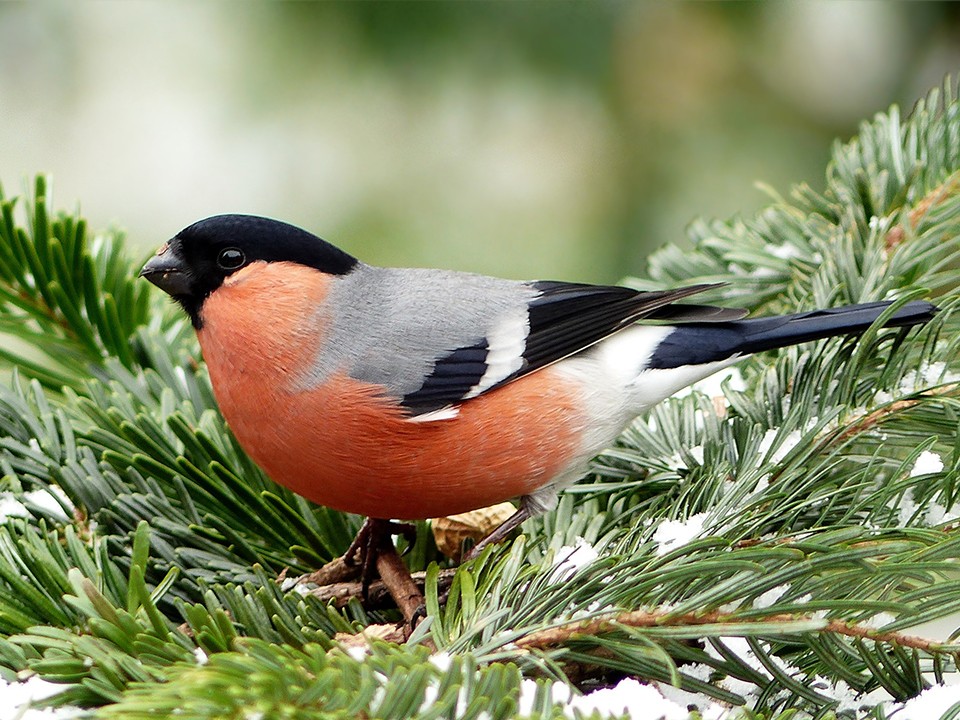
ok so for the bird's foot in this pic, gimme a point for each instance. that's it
(374, 542)
(372, 553)
(373, 535)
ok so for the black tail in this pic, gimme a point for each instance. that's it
(697, 343)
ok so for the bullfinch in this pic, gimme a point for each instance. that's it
(420, 393)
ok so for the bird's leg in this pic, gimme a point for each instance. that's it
(372, 539)
(358, 548)
(501, 532)
(360, 558)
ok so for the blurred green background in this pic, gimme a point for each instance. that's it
(533, 139)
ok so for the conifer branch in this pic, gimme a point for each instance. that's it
(820, 494)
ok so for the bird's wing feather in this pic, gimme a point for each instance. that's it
(560, 320)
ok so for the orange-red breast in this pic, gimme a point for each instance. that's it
(416, 393)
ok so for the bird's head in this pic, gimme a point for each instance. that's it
(194, 264)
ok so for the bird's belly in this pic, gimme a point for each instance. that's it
(347, 448)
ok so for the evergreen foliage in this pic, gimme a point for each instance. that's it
(151, 584)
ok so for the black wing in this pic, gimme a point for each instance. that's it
(566, 318)
(562, 319)
(450, 381)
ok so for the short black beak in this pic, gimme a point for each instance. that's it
(166, 271)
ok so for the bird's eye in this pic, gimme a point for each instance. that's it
(231, 258)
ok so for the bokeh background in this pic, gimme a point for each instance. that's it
(532, 139)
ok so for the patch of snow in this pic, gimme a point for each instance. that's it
(708, 708)
(51, 499)
(787, 444)
(570, 559)
(430, 694)
(907, 508)
(358, 652)
(528, 694)
(441, 661)
(673, 534)
(560, 692)
(850, 699)
(676, 462)
(696, 452)
(879, 620)
(934, 373)
(933, 513)
(933, 702)
(11, 507)
(290, 583)
(928, 462)
(763, 482)
(937, 514)
(19, 697)
(927, 375)
(741, 648)
(770, 597)
(628, 697)
(882, 397)
(784, 252)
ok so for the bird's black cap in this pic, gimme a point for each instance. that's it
(196, 261)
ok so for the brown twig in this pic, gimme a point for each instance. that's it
(378, 595)
(398, 581)
(336, 571)
(893, 638)
(875, 417)
(541, 639)
(552, 637)
(897, 233)
(362, 639)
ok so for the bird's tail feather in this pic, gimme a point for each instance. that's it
(698, 343)
(770, 333)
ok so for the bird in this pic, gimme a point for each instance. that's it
(415, 393)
